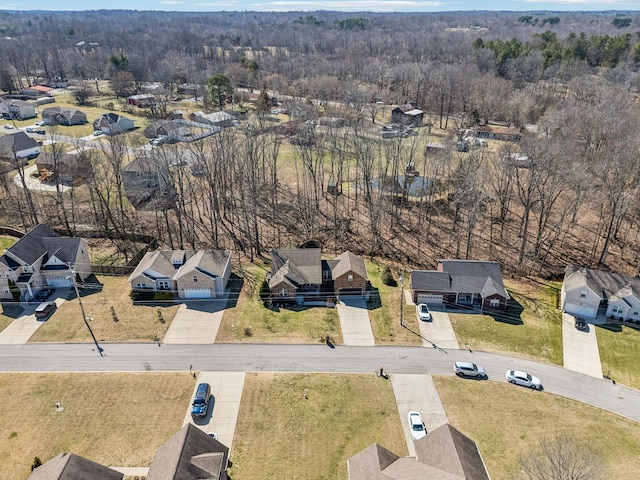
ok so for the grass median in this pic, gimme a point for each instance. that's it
(111, 418)
(281, 434)
(507, 422)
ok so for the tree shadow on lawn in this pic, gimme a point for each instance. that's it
(90, 286)
(612, 327)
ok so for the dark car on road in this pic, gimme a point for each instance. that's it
(581, 325)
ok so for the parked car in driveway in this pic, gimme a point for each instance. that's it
(8, 127)
(468, 369)
(45, 309)
(43, 294)
(423, 312)
(416, 425)
(200, 403)
(518, 377)
(581, 325)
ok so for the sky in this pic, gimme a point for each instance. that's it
(311, 5)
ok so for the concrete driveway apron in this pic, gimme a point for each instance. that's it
(196, 322)
(438, 331)
(354, 321)
(22, 328)
(580, 349)
(419, 393)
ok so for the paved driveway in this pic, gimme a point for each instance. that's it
(419, 393)
(438, 331)
(226, 393)
(580, 349)
(20, 330)
(196, 322)
(354, 321)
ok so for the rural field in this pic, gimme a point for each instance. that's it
(111, 418)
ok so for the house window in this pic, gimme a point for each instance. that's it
(464, 298)
(163, 285)
(583, 293)
(635, 314)
(195, 279)
(617, 309)
(141, 285)
(326, 274)
(494, 302)
(350, 278)
(284, 293)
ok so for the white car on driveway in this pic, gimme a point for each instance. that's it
(423, 312)
(416, 425)
(518, 377)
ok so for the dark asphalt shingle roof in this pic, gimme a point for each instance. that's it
(68, 466)
(604, 284)
(296, 266)
(16, 142)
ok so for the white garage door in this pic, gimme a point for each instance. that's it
(197, 293)
(59, 282)
(580, 310)
(425, 298)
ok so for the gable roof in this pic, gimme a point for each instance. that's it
(473, 276)
(603, 284)
(16, 142)
(296, 266)
(348, 262)
(190, 454)
(208, 262)
(443, 454)
(68, 466)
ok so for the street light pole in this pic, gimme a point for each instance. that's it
(84, 317)
(401, 298)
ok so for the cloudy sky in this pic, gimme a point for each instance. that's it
(311, 5)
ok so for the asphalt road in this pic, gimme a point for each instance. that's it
(310, 358)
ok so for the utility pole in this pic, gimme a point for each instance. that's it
(401, 297)
(84, 317)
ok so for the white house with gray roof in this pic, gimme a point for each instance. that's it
(189, 274)
(18, 145)
(43, 258)
(587, 293)
(466, 283)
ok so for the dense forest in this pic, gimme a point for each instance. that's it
(568, 81)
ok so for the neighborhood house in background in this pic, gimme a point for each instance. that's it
(463, 283)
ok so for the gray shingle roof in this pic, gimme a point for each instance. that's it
(209, 262)
(347, 262)
(190, 454)
(16, 142)
(430, 280)
(68, 466)
(604, 284)
(42, 241)
(297, 266)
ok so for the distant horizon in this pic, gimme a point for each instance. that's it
(353, 6)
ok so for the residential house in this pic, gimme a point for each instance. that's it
(18, 145)
(301, 275)
(69, 466)
(63, 116)
(190, 274)
(586, 293)
(166, 128)
(67, 168)
(43, 258)
(17, 109)
(466, 283)
(444, 453)
(141, 100)
(216, 119)
(147, 183)
(112, 123)
(407, 114)
(190, 454)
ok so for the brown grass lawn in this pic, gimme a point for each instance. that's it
(135, 322)
(619, 348)
(507, 423)
(384, 310)
(532, 330)
(111, 418)
(251, 321)
(281, 435)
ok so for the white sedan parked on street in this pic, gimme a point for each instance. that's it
(416, 425)
(518, 377)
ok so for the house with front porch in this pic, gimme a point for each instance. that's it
(466, 283)
(189, 274)
(42, 258)
(586, 293)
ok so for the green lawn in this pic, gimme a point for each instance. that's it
(384, 310)
(114, 419)
(280, 434)
(507, 422)
(251, 321)
(7, 242)
(532, 328)
(619, 348)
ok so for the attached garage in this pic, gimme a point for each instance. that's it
(586, 311)
(429, 298)
(59, 282)
(193, 293)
